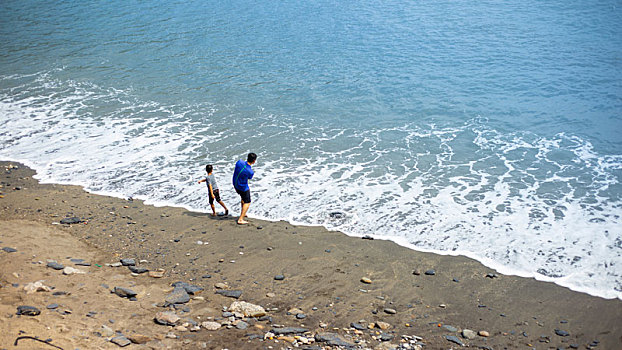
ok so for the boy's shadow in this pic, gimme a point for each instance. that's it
(206, 215)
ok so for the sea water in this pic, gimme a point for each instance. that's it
(489, 129)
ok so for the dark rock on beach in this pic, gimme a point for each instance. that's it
(230, 293)
(121, 341)
(288, 330)
(128, 262)
(70, 221)
(124, 292)
(454, 339)
(430, 272)
(9, 249)
(561, 333)
(55, 265)
(177, 296)
(28, 310)
(333, 339)
(189, 288)
(138, 270)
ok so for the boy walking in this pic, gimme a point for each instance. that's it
(242, 173)
(212, 190)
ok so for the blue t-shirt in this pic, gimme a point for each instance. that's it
(242, 173)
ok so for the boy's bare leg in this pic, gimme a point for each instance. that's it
(245, 207)
(213, 209)
(225, 207)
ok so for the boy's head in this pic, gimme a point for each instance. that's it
(209, 168)
(252, 157)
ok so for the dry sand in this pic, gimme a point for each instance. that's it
(322, 272)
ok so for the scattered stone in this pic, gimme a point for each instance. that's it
(357, 326)
(366, 280)
(230, 293)
(288, 330)
(450, 328)
(128, 262)
(189, 288)
(220, 285)
(430, 272)
(484, 334)
(177, 296)
(167, 318)
(138, 270)
(139, 338)
(124, 292)
(454, 339)
(390, 311)
(270, 295)
(492, 275)
(561, 333)
(416, 272)
(210, 325)
(386, 337)
(71, 270)
(301, 316)
(106, 331)
(159, 273)
(55, 265)
(9, 249)
(38, 286)
(383, 325)
(279, 277)
(121, 341)
(247, 309)
(28, 310)
(468, 334)
(70, 221)
(456, 280)
(239, 324)
(333, 339)
(117, 264)
(368, 237)
(52, 306)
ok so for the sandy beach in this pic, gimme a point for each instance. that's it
(318, 289)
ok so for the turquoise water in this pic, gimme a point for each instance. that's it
(488, 129)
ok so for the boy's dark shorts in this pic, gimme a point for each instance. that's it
(245, 195)
(216, 196)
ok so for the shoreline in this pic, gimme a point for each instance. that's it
(323, 273)
(487, 262)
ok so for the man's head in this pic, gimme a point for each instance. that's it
(209, 168)
(252, 157)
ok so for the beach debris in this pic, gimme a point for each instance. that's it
(247, 309)
(337, 215)
(46, 341)
(288, 330)
(38, 286)
(366, 280)
(27, 310)
(9, 249)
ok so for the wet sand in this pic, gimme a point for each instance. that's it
(322, 277)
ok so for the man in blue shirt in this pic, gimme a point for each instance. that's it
(242, 173)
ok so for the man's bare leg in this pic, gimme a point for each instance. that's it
(245, 207)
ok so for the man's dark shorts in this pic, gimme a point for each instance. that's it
(245, 195)
(216, 196)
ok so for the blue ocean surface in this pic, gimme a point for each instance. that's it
(489, 129)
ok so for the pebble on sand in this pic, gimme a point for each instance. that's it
(28, 310)
(366, 280)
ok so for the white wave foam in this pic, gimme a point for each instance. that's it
(523, 204)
